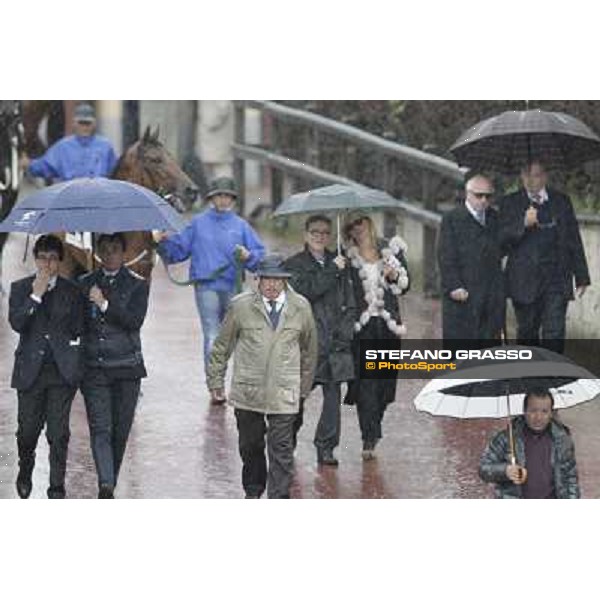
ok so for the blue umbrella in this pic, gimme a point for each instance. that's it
(98, 205)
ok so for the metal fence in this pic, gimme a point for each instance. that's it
(269, 153)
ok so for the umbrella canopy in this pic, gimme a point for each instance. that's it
(92, 204)
(336, 198)
(507, 142)
(495, 389)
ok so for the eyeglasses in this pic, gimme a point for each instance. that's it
(480, 195)
(319, 233)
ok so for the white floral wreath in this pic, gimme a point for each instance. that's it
(374, 291)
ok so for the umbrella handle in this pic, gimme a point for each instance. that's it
(339, 241)
(511, 441)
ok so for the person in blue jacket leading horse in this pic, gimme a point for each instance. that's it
(220, 244)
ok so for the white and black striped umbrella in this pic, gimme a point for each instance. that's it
(507, 142)
(496, 389)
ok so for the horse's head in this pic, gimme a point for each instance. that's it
(148, 163)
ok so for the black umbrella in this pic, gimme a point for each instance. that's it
(507, 142)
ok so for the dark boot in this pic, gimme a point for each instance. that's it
(325, 457)
(24, 483)
(56, 492)
(106, 492)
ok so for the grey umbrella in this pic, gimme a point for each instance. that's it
(336, 198)
(507, 142)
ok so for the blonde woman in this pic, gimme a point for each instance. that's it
(380, 275)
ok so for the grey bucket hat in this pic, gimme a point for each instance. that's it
(272, 266)
(222, 185)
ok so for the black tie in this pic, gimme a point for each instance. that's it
(273, 314)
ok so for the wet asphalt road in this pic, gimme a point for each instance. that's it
(181, 447)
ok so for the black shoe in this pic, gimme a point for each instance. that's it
(56, 493)
(326, 457)
(106, 492)
(24, 486)
(250, 497)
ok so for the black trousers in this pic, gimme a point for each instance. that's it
(327, 434)
(278, 429)
(548, 314)
(110, 405)
(48, 402)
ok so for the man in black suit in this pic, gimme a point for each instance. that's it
(545, 257)
(114, 365)
(47, 311)
(469, 258)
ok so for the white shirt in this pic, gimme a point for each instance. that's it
(474, 212)
(543, 196)
(51, 286)
(279, 302)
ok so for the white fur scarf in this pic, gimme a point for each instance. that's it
(374, 291)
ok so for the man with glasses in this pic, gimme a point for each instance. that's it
(322, 277)
(47, 312)
(469, 258)
(546, 258)
(83, 154)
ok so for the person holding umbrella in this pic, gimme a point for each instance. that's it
(114, 364)
(379, 273)
(546, 258)
(469, 257)
(545, 454)
(323, 278)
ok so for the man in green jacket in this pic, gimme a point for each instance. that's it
(273, 337)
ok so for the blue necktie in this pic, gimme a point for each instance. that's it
(273, 314)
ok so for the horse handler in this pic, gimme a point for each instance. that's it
(273, 337)
(114, 365)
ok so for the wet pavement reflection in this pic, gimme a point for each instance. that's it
(181, 447)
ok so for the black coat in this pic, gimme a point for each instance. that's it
(57, 328)
(523, 266)
(333, 302)
(469, 257)
(112, 339)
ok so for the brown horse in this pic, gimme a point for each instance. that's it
(147, 163)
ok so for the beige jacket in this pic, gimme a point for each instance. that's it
(272, 369)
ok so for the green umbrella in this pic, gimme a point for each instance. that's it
(336, 198)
